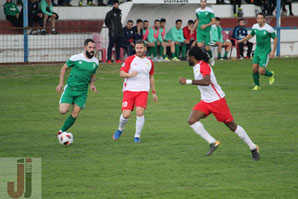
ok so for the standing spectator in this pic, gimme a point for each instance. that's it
(235, 3)
(217, 38)
(176, 35)
(271, 7)
(287, 2)
(101, 3)
(46, 8)
(127, 41)
(189, 35)
(113, 22)
(239, 33)
(34, 14)
(12, 13)
(138, 31)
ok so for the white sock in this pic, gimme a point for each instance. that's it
(199, 129)
(139, 126)
(243, 135)
(122, 122)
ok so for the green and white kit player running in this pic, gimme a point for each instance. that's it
(263, 53)
(204, 20)
(83, 68)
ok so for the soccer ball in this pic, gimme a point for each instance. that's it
(65, 138)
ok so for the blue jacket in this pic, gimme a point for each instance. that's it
(239, 32)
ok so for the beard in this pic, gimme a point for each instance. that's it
(89, 55)
(191, 63)
(140, 54)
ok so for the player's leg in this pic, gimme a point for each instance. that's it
(263, 68)
(141, 104)
(255, 71)
(243, 135)
(228, 46)
(219, 47)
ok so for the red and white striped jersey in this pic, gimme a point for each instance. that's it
(144, 67)
(212, 92)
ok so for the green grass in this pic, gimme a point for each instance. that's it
(170, 162)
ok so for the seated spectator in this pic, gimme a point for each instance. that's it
(176, 35)
(239, 33)
(34, 14)
(190, 34)
(46, 9)
(157, 39)
(12, 13)
(166, 43)
(147, 37)
(138, 31)
(127, 40)
(217, 39)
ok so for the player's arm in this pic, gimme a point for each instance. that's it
(203, 82)
(272, 53)
(124, 74)
(195, 26)
(62, 74)
(248, 37)
(152, 86)
(209, 24)
(92, 86)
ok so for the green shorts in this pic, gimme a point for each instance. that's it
(72, 96)
(203, 36)
(261, 58)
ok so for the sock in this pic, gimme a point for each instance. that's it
(122, 122)
(210, 53)
(177, 50)
(165, 56)
(219, 55)
(256, 78)
(68, 123)
(183, 51)
(139, 125)
(172, 55)
(243, 135)
(199, 129)
(226, 54)
(268, 73)
(160, 51)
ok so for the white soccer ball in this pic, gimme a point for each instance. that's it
(65, 138)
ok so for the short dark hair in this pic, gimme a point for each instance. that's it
(163, 20)
(129, 21)
(156, 20)
(178, 20)
(86, 42)
(115, 1)
(261, 13)
(139, 20)
(241, 19)
(217, 18)
(199, 53)
(140, 41)
(146, 21)
(190, 22)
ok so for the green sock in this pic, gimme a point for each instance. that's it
(210, 53)
(172, 55)
(154, 50)
(256, 78)
(68, 123)
(219, 55)
(268, 73)
(183, 50)
(177, 50)
(226, 54)
(160, 51)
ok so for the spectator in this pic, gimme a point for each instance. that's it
(127, 41)
(138, 31)
(190, 35)
(46, 9)
(176, 35)
(101, 3)
(34, 14)
(216, 36)
(271, 7)
(147, 37)
(284, 3)
(12, 13)
(239, 33)
(157, 39)
(240, 12)
(166, 42)
(89, 3)
(64, 3)
(113, 22)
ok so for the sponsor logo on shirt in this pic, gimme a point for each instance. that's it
(80, 62)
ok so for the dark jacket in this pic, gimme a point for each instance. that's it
(113, 22)
(137, 36)
(239, 32)
(127, 36)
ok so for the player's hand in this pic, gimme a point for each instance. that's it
(154, 97)
(93, 88)
(182, 80)
(203, 27)
(238, 41)
(272, 54)
(133, 74)
(59, 88)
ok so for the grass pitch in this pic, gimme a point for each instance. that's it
(170, 161)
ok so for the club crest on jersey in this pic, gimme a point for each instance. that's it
(206, 13)
(80, 62)
(264, 33)
(93, 66)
